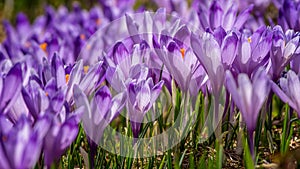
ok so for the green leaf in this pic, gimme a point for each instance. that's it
(247, 155)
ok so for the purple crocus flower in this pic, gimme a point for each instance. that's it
(283, 50)
(249, 97)
(216, 54)
(98, 114)
(253, 51)
(100, 111)
(289, 91)
(222, 13)
(142, 94)
(21, 143)
(35, 98)
(60, 136)
(113, 9)
(289, 14)
(179, 60)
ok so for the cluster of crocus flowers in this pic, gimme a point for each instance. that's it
(47, 90)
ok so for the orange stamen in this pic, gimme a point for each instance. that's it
(43, 46)
(98, 21)
(67, 78)
(249, 40)
(182, 51)
(82, 36)
(47, 94)
(85, 69)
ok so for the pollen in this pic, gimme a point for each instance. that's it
(82, 36)
(98, 21)
(85, 69)
(249, 39)
(67, 78)
(182, 51)
(88, 46)
(43, 46)
(27, 44)
(47, 94)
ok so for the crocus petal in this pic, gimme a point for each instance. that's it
(261, 90)
(245, 91)
(294, 88)
(181, 34)
(216, 14)
(57, 101)
(119, 52)
(232, 88)
(243, 16)
(212, 51)
(229, 17)
(219, 34)
(263, 47)
(81, 100)
(117, 105)
(229, 48)
(90, 80)
(143, 98)
(291, 47)
(285, 98)
(132, 29)
(155, 91)
(58, 71)
(75, 77)
(11, 87)
(103, 100)
(245, 51)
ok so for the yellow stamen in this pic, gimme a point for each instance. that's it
(249, 40)
(85, 69)
(98, 21)
(43, 46)
(67, 78)
(182, 51)
(82, 36)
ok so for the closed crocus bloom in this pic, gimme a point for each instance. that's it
(208, 52)
(246, 93)
(102, 109)
(60, 136)
(283, 50)
(289, 90)
(142, 94)
(35, 98)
